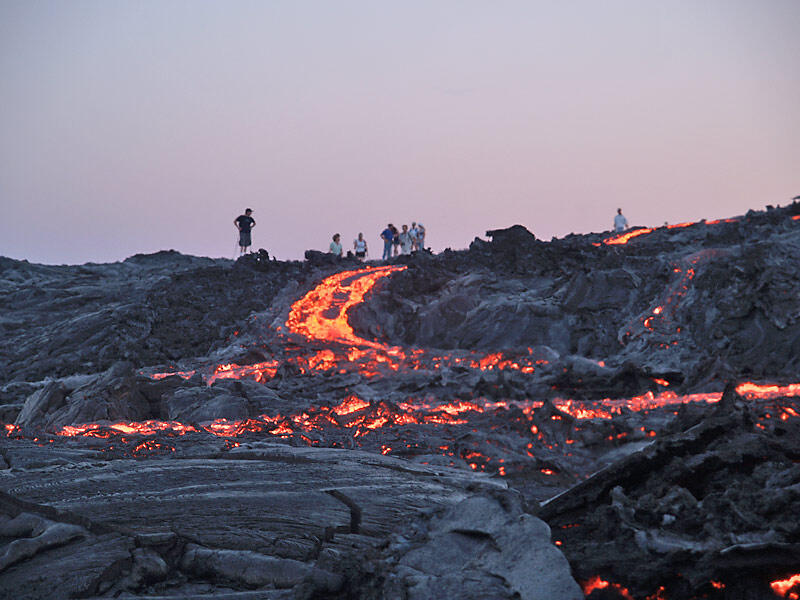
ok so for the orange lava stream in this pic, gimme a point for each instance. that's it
(321, 315)
(679, 225)
(261, 372)
(373, 416)
(624, 238)
(122, 427)
(767, 391)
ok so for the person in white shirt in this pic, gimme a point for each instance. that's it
(405, 240)
(620, 222)
(336, 247)
(360, 246)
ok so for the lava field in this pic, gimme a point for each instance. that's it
(597, 416)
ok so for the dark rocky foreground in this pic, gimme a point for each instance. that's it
(503, 422)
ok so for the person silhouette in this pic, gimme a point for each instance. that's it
(245, 224)
(620, 222)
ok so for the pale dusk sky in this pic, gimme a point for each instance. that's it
(137, 126)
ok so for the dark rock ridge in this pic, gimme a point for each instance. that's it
(725, 295)
(149, 309)
(449, 477)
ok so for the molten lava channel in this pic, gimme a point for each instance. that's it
(321, 315)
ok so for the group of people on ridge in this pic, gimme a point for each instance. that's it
(405, 241)
(395, 242)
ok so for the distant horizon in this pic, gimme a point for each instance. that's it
(142, 125)
(376, 258)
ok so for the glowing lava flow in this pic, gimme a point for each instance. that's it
(782, 586)
(765, 392)
(624, 238)
(359, 416)
(321, 315)
(598, 583)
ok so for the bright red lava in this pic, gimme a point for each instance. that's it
(624, 238)
(361, 416)
(321, 317)
(782, 587)
(598, 583)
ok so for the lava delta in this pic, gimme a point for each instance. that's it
(600, 416)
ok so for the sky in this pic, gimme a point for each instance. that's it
(137, 126)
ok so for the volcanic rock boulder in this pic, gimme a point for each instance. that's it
(486, 546)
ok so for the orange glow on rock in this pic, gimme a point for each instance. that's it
(349, 405)
(624, 238)
(782, 586)
(767, 391)
(598, 583)
(182, 374)
(679, 225)
(101, 430)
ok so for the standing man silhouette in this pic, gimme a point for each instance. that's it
(245, 224)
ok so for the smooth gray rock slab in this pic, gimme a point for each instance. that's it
(504, 550)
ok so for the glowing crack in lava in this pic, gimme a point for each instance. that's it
(661, 317)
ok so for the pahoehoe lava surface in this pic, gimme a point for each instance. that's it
(614, 417)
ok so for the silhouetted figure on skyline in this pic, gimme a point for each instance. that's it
(245, 224)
